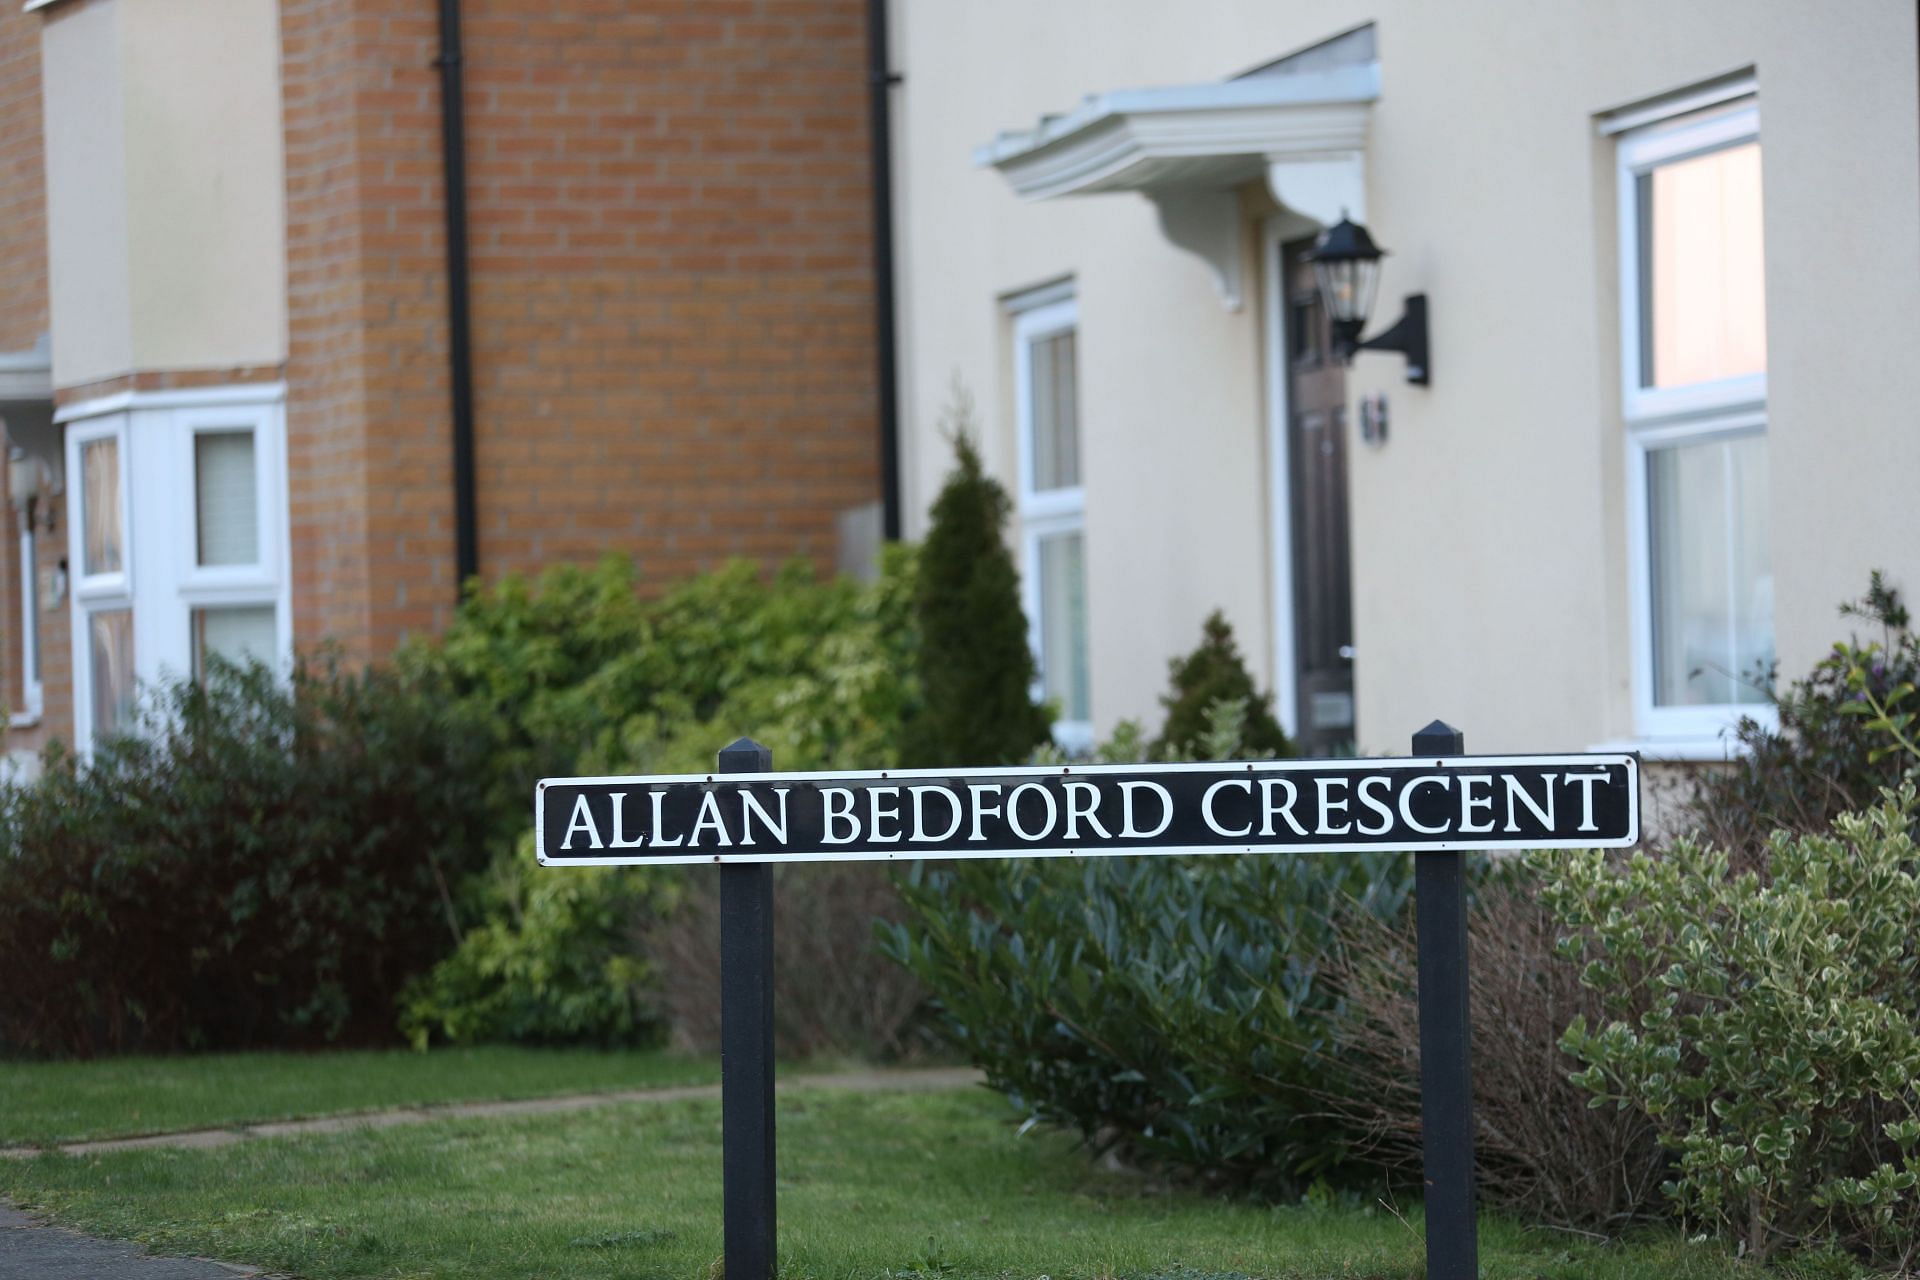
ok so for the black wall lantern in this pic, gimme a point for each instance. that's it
(1346, 262)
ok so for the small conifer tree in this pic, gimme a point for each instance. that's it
(976, 672)
(1212, 674)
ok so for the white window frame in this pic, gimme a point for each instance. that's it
(1657, 417)
(1045, 513)
(91, 593)
(163, 581)
(32, 688)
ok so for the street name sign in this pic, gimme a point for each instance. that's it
(1286, 806)
(1436, 803)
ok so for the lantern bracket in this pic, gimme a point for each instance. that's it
(1408, 336)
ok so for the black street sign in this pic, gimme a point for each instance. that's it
(1289, 806)
(1436, 803)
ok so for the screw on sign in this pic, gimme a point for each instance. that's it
(1438, 803)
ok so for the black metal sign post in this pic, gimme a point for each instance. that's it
(1438, 803)
(1446, 1052)
(746, 1047)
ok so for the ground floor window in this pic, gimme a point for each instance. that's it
(179, 526)
(1053, 507)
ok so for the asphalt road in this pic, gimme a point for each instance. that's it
(28, 1249)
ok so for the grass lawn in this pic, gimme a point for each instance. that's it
(872, 1186)
(66, 1101)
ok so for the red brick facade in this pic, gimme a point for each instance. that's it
(23, 200)
(671, 281)
(23, 322)
(671, 285)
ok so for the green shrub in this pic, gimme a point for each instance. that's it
(1172, 1006)
(818, 670)
(1832, 752)
(1769, 1026)
(557, 961)
(976, 670)
(267, 863)
(1212, 674)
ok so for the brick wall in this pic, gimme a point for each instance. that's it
(671, 283)
(23, 320)
(23, 195)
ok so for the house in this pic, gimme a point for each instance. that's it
(1667, 263)
(256, 396)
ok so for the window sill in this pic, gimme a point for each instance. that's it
(1695, 750)
(24, 720)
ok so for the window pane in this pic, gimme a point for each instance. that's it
(1712, 576)
(1704, 316)
(224, 498)
(1056, 413)
(239, 635)
(112, 646)
(100, 504)
(1063, 626)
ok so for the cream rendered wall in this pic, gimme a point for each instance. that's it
(1488, 535)
(90, 319)
(167, 222)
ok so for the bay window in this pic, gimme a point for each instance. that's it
(1694, 357)
(179, 530)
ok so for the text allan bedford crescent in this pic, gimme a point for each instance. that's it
(1579, 799)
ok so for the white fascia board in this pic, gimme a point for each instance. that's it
(234, 393)
(1212, 134)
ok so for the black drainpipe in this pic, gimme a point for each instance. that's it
(453, 151)
(880, 80)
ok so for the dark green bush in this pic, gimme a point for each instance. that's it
(267, 863)
(1212, 674)
(1171, 1006)
(976, 671)
(1825, 758)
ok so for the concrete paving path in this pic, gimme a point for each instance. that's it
(909, 1079)
(34, 1249)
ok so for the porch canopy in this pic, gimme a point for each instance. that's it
(1299, 124)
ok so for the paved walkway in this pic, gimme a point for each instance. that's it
(33, 1249)
(915, 1080)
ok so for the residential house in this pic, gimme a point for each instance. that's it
(228, 372)
(1667, 258)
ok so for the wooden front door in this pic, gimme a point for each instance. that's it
(1317, 477)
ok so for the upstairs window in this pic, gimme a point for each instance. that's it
(1694, 391)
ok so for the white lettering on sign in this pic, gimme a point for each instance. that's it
(709, 818)
(1543, 816)
(620, 840)
(1206, 806)
(1268, 809)
(1082, 799)
(876, 815)
(1374, 803)
(1406, 803)
(659, 838)
(920, 794)
(754, 809)
(1328, 805)
(1586, 783)
(839, 802)
(582, 818)
(1127, 828)
(980, 811)
(1469, 802)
